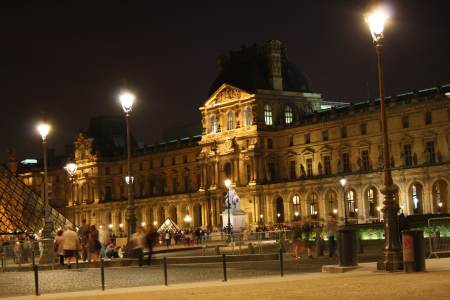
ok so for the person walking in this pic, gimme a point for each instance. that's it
(58, 246)
(167, 237)
(71, 245)
(150, 239)
(94, 245)
(306, 229)
(83, 235)
(331, 233)
(137, 244)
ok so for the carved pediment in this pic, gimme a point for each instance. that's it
(308, 151)
(226, 93)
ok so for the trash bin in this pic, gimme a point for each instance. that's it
(413, 250)
(347, 247)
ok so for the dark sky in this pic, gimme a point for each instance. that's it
(69, 58)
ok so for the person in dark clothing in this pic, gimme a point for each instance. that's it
(150, 238)
(403, 224)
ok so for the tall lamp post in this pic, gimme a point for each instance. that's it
(392, 258)
(343, 182)
(71, 169)
(48, 254)
(126, 100)
(228, 185)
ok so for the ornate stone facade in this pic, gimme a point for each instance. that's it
(284, 155)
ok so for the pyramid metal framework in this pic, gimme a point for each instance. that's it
(21, 209)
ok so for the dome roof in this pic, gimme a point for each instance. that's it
(248, 69)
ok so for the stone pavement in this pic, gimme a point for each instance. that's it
(363, 283)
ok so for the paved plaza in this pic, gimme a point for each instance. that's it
(363, 283)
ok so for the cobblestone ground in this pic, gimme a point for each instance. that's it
(22, 283)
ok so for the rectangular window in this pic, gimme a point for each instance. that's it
(363, 128)
(161, 162)
(272, 171)
(269, 144)
(428, 118)
(448, 113)
(407, 155)
(429, 150)
(307, 138)
(292, 167)
(365, 160)
(325, 135)
(174, 185)
(405, 122)
(346, 163)
(267, 114)
(343, 132)
(108, 193)
(186, 183)
(173, 161)
(327, 164)
(291, 141)
(107, 171)
(309, 167)
(151, 164)
(185, 159)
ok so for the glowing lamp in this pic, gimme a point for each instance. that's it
(227, 183)
(43, 129)
(376, 22)
(126, 99)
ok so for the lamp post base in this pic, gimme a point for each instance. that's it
(48, 253)
(132, 220)
(392, 261)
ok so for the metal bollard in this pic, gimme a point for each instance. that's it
(102, 273)
(165, 270)
(224, 267)
(36, 279)
(281, 263)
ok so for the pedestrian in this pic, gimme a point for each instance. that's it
(331, 233)
(58, 246)
(71, 245)
(137, 244)
(83, 235)
(306, 230)
(150, 239)
(167, 238)
(297, 243)
(94, 245)
(318, 229)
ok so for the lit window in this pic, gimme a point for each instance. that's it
(351, 203)
(230, 121)
(248, 116)
(288, 115)
(268, 115)
(213, 124)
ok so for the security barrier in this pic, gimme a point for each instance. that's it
(439, 239)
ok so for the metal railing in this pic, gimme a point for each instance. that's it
(439, 237)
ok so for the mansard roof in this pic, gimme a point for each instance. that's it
(248, 69)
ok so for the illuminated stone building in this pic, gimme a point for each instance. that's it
(282, 145)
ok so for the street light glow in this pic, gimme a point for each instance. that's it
(187, 219)
(71, 168)
(376, 22)
(43, 129)
(227, 183)
(343, 182)
(126, 99)
(335, 211)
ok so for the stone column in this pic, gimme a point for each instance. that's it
(216, 173)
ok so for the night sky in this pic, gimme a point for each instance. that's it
(69, 58)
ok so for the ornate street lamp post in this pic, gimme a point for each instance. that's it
(48, 255)
(71, 169)
(126, 100)
(343, 182)
(228, 185)
(392, 258)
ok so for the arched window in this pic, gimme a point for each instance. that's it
(440, 196)
(213, 123)
(331, 202)
(372, 201)
(248, 116)
(280, 210)
(230, 121)
(415, 195)
(351, 203)
(296, 204)
(268, 115)
(313, 206)
(288, 115)
(227, 170)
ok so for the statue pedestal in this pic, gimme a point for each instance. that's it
(237, 219)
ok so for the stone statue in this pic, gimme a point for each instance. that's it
(234, 199)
